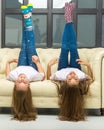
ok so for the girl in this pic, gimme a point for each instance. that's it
(28, 69)
(74, 82)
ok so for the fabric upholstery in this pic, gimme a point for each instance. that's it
(44, 93)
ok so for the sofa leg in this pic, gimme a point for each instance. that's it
(102, 111)
(0, 109)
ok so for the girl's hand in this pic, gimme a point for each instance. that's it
(12, 60)
(35, 59)
(89, 69)
(82, 62)
(53, 61)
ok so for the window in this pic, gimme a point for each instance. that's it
(103, 30)
(39, 3)
(13, 30)
(48, 21)
(87, 4)
(86, 33)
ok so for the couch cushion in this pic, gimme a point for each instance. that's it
(44, 88)
(39, 89)
(6, 87)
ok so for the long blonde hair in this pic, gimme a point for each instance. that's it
(22, 104)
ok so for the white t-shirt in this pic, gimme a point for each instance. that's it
(62, 74)
(30, 72)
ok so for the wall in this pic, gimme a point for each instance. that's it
(0, 23)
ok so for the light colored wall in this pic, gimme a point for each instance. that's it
(0, 23)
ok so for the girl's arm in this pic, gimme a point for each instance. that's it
(51, 62)
(89, 70)
(48, 71)
(35, 59)
(8, 65)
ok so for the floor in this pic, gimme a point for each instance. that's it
(48, 120)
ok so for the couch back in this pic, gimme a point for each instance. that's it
(45, 56)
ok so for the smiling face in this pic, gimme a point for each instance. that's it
(72, 78)
(22, 83)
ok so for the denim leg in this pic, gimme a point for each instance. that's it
(63, 59)
(64, 38)
(31, 49)
(22, 60)
(69, 44)
(72, 45)
(73, 56)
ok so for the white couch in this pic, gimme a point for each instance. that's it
(45, 92)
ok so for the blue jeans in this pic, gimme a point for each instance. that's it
(68, 45)
(27, 48)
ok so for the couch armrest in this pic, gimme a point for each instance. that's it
(97, 64)
(95, 57)
(102, 82)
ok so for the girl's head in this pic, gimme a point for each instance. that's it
(22, 105)
(72, 78)
(22, 83)
(72, 101)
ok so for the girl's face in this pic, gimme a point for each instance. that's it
(22, 83)
(72, 78)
